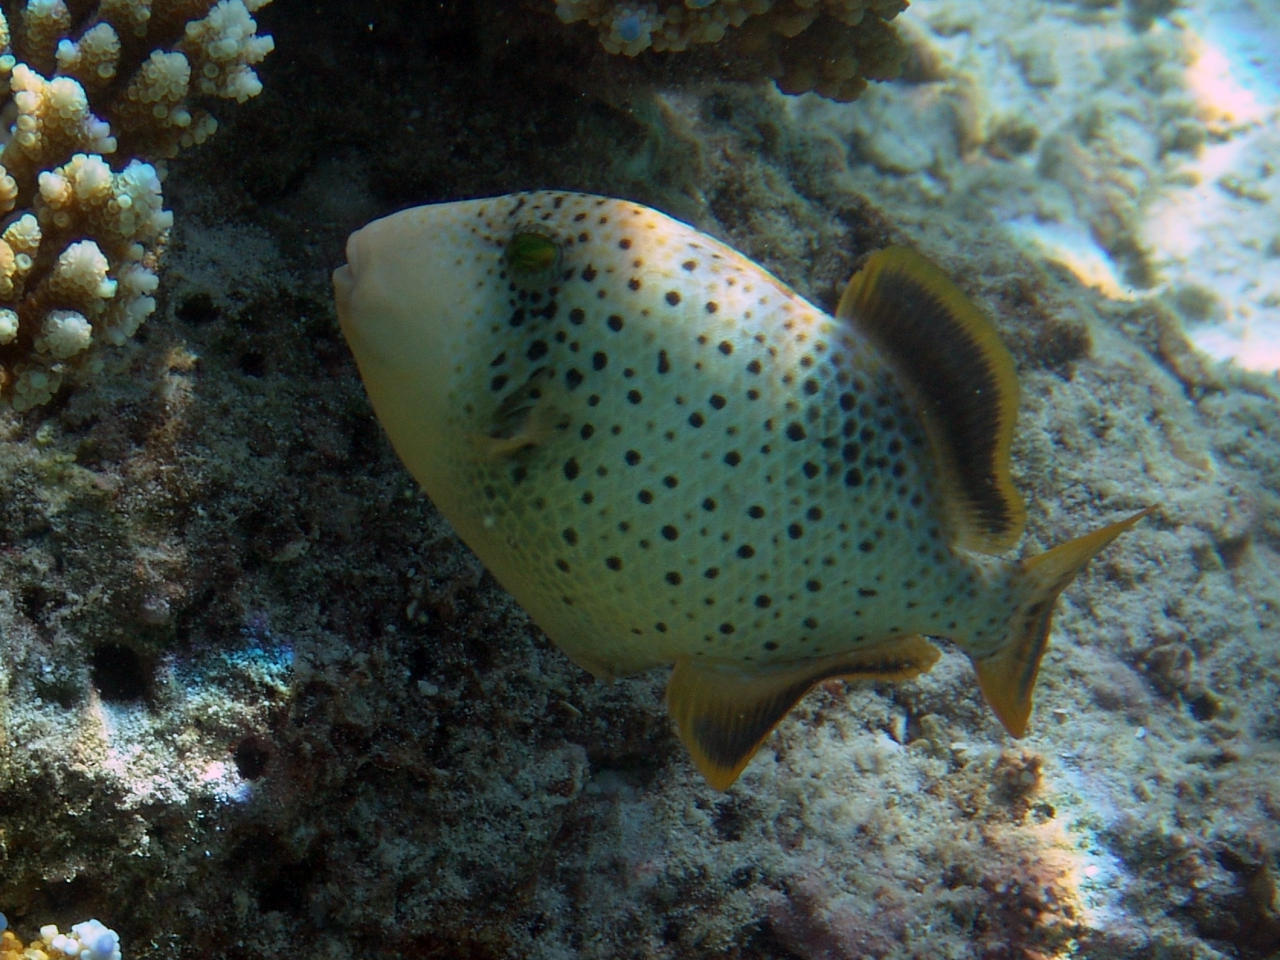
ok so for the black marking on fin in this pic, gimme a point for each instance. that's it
(963, 377)
(1008, 676)
(723, 713)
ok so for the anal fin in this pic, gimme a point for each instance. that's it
(723, 713)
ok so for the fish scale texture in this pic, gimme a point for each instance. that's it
(701, 463)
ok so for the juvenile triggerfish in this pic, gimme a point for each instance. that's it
(669, 457)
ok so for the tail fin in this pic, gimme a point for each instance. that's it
(1008, 676)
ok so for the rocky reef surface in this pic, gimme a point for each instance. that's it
(255, 697)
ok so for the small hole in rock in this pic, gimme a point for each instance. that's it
(251, 756)
(197, 308)
(119, 674)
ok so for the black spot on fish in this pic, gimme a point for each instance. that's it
(673, 297)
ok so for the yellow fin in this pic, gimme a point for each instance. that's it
(1008, 677)
(963, 378)
(723, 713)
(526, 417)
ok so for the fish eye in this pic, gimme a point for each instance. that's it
(532, 257)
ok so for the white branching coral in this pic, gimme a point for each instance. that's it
(90, 940)
(95, 94)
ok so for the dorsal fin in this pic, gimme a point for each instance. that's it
(723, 713)
(962, 375)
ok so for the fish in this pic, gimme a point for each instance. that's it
(669, 457)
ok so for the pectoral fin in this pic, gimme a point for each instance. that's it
(526, 417)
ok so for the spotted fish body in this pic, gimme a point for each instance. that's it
(669, 457)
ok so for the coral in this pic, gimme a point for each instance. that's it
(90, 940)
(97, 94)
(830, 47)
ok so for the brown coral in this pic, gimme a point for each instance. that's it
(830, 47)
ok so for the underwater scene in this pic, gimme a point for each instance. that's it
(727, 479)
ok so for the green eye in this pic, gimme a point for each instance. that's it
(532, 256)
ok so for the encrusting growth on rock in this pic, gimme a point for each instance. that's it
(97, 93)
(831, 47)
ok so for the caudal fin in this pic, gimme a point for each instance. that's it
(1008, 676)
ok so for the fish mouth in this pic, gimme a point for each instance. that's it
(345, 279)
(344, 282)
